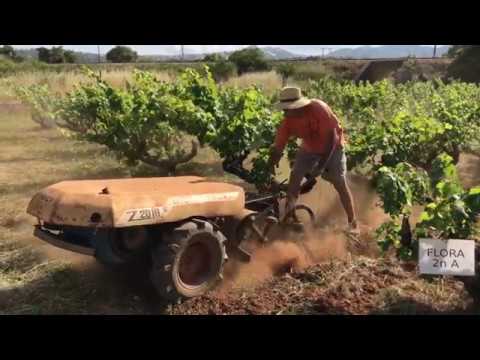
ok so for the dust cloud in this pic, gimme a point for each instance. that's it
(326, 241)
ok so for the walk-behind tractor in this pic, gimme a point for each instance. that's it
(186, 227)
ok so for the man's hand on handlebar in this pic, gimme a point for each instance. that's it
(275, 156)
(308, 185)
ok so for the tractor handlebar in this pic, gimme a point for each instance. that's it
(277, 188)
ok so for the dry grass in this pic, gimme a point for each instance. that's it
(64, 82)
(270, 81)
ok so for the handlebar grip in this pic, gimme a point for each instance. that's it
(308, 185)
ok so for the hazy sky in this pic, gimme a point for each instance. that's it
(189, 49)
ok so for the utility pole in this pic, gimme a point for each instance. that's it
(434, 50)
(183, 52)
(323, 51)
(99, 61)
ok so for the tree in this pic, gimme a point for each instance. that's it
(213, 58)
(223, 69)
(43, 54)
(56, 55)
(8, 51)
(248, 60)
(466, 65)
(70, 57)
(456, 50)
(286, 70)
(122, 54)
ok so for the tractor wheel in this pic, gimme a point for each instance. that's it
(189, 260)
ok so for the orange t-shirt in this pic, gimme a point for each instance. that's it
(314, 128)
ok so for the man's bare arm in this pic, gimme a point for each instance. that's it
(276, 151)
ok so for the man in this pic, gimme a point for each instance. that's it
(323, 145)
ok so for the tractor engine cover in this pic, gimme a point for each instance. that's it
(121, 203)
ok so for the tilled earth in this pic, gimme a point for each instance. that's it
(302, 278)
(356, 286)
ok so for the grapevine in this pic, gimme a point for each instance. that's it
(406, 138)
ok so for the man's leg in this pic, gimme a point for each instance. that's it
(304, 162)
(336, 174)
(347, 200)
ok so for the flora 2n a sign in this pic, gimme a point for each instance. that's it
(447, 257)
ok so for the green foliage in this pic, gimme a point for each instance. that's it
(6, 66)
(122, 54)
(12, 67)
(387, 124)
(444, 176)
(43, 54)
(466, 65)
(133, 122)
(394, 191)
(8, 51)
(456, 50)
(145, 122)
(450, 211)
(401, 187)
(41, 103)
(389, 235)
(453, 215)
(453, 211)
(70, 56)
(55, 55)
(222, 69)
(213, 57)
(249, 60)
(286, 70)
(234, 122)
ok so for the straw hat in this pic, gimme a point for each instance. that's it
(291, 98)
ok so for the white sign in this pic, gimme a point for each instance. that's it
(447, 257)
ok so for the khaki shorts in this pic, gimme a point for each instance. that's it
(305, 163)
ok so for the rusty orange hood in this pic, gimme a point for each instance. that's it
(136, 201)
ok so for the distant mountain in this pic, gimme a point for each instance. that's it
(363, 52)
(278, 53)
(388, 51)
(271, 53)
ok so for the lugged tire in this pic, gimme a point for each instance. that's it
(193, 243)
